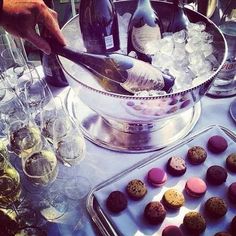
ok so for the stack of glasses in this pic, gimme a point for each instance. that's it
(36, 135)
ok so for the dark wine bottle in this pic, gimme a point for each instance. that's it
(144, 26)
(54, 74)
(99, 26)
(117, 67)
(179, 20)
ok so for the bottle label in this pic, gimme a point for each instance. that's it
(139, 76)
(47, 71)
(228, 70)
(142, 36)
(109, 42)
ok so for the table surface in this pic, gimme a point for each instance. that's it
(101, 164)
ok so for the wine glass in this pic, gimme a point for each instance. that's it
(54, 204)
(3, 90)
(11, 110)
(14, 66)
(6, 41)
(40, 168)
(34, 95)
(45, 118)
(68, 141)
(24, 138)
(10, 187)
(30, 230)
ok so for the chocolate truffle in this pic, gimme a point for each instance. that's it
(232, 192)
(172, 230)
(231, 162)
(196, 155)
(116, 202)
(136, 189)
(217, 144)
(194, 222)
(216, 175)
(154, 212)
(215, 207)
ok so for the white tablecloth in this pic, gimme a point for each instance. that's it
(101, 164)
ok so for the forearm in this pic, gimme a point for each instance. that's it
(19, 17)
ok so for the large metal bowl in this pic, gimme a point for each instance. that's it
(135, 124)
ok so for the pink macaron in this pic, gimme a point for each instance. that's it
(157, 177)
(195, 187)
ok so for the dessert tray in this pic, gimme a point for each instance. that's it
(130, 221)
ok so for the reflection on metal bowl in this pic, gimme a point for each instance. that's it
(135, 124)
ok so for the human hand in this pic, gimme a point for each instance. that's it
(19, 17)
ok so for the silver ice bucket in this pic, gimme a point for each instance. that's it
(135, 124)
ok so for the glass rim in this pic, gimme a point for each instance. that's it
(39, 176)
(10, 49)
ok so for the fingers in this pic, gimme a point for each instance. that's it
(38, 41)
(49, 20)
(54, 14)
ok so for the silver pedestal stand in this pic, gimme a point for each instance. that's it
(144, 137)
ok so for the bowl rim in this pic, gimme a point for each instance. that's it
(169, 95)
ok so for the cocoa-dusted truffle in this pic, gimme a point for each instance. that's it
(216, 175)
(196, 155)
(136, 189)
(217, 144)
(216, 207)
(116, 202)
(194, 222)
(154, 212)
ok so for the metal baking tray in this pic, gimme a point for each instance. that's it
(100, 215)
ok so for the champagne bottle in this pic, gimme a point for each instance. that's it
(116, 67)
(225, 79)
(54, 74)
(144, 26)
(99, 26)
(179, 20)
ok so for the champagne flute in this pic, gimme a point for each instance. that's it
(45, 119)
(35, 94)
(68, 141)
(24, 138)
(6, 41)
(8, 225)
(10, 187)
(14, 66)
(11, 110)
(3, 90)
(54, 204)
(29, 231)
(40, 168)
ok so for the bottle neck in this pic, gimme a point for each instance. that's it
(232, 15)
(178, 3)
(144, 3)
(229, 12)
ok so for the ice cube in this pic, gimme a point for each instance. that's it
(167, 45)
(180, 36)
(207, 49)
